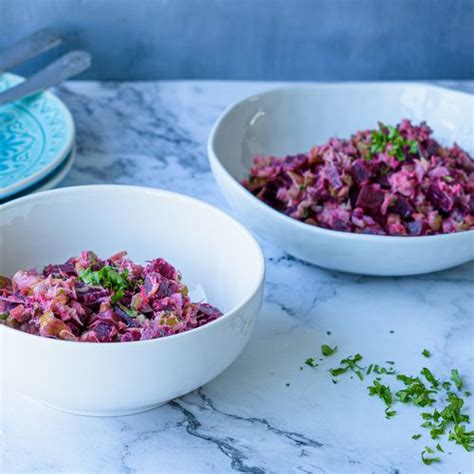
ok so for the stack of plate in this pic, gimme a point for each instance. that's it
(36, 142)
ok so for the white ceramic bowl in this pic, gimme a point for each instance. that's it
(209, 248)
(293, 119)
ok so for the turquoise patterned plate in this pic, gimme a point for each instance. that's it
(50, 181)
(36, 135)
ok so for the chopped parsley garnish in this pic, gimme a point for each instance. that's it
(388, 139)
(430, 377)
(428, 460)
(462, 437)
(310, 362)
(448, 418)
(456, 379)
(382, 370)
(384, 393)
(415, 391)
(327, 351)
(108, 277)
(349, 363)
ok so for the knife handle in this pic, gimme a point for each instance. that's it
(25, 49)
(63, 68)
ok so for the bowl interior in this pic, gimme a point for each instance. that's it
(210, 248)
(292, 120)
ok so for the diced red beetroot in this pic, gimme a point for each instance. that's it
(471, 204)
(93, 296)
(163, 267)
(291, 163)
(370, 197)
(104, 332)
(67, 268)
(440, 199)
(415, 227)
(403, 207)
(361, 172)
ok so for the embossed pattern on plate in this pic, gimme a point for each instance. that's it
(36, 135)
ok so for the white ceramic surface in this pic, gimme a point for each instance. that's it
(208, 246)
(292, 119)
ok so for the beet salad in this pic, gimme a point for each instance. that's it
(93, 300)
(395, 181)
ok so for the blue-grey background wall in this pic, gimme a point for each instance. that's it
(256, 39)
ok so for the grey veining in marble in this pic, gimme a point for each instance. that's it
(248, 419)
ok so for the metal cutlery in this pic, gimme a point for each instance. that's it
(67, 66)
(27, 48)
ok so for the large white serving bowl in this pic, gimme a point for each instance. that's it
(209, 247)
(293, 119)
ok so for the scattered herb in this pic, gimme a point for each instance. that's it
(430, 377)
(415, 391)
(428, 460)
(349, 363)
(383, 370)
(462, 437)
(450, 418)
(446, 385)
(328, 333)
(328, 351)
(310, 361)
(382, 391)
(287, 384)
(456, 379)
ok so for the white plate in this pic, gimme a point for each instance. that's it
(210, 248)
(290, 120)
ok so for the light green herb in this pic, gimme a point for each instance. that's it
(328, 351)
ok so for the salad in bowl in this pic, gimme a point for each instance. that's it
(374, 179)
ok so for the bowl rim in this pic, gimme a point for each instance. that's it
(84, 189)
(216, 163)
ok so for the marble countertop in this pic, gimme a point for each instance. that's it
(248, 419)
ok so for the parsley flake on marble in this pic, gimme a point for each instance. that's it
(327, 350)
